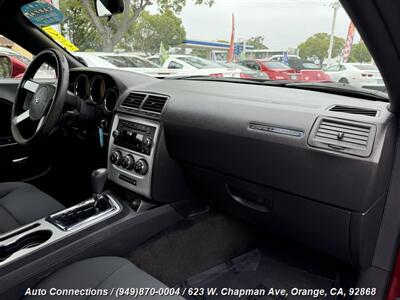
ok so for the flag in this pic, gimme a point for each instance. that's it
(213, 56)
(285, 58)
(349, 43)
(231, 52)
(163, 54)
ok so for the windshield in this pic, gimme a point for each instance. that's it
(209, 37)
(366, 67)
(198, 62)
(310, 66)
(276, 65)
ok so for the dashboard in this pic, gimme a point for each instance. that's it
(308, 165)
(98, 89)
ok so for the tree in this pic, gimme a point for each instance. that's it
(317, 46)
(257, 42)
(112, 32)
(360, 53)
(77, 26)
(150, 30)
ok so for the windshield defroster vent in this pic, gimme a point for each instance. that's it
(343, 136)
(354, 110)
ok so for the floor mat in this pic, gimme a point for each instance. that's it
(192, 247)
(256, 270)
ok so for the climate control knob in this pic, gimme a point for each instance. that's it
(128, 162)
(116, 157)
(141, 167)
(116, 133)
(147, 142)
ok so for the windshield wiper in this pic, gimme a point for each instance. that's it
(337, 88)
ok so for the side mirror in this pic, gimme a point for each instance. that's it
(108, 8)
(6, 67)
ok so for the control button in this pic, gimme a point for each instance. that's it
(128, 162)
(141, 167)
(116, 157)
(147, 142)
(116, 133)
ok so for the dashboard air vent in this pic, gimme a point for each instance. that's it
(354, 110)
(343, 136)
(134, 100)
(154, 103)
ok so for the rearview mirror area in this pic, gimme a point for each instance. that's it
(108, 8)
(6, 68)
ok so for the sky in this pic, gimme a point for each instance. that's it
(283, 23)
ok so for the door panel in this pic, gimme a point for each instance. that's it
(17, 163)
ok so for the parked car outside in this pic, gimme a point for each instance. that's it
(275, 70)
(19, 63)
(247, 72)
(197, 65)
(308, 69)
(130, 62)
(358, 75)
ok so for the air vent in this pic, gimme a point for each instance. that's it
(154, 104)
(343, 136)
(134, 100)
(354, 110)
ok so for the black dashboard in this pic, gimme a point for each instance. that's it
(312, 166)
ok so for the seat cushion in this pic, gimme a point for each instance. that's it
(100, 273)
(22, 203)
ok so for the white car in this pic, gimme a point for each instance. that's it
(127, 62)
(92, 60)
(193, 65)
(358, 75)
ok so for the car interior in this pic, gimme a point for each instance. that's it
(114, 179)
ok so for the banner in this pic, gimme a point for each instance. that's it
(231, 52)
(349, 43)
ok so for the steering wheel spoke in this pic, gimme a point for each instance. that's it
(22, 117)
(31, 86)
(40, 123)
(45, 100)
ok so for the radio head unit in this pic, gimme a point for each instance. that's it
(134, 136)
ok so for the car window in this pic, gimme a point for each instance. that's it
(275, 65)
(175, 65)
(15, 59)
(310, 66)
(366, 67)
(334, 68)
(252, 65)
(198, 62)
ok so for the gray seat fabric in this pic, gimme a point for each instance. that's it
(99, 273)
(22, 203)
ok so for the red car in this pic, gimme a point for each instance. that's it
(309, 70)
(275, 70)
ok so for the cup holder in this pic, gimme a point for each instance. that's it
(30, 240)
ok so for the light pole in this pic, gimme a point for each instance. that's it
(335, 6)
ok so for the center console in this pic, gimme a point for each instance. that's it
(131, 153)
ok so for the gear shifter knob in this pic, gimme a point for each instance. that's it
(98, 181)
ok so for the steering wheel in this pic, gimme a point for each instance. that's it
(38, 106)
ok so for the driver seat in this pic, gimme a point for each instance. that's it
(22, 203)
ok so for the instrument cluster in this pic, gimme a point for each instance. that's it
(98, 89)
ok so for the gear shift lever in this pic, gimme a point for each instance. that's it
(98, 181)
